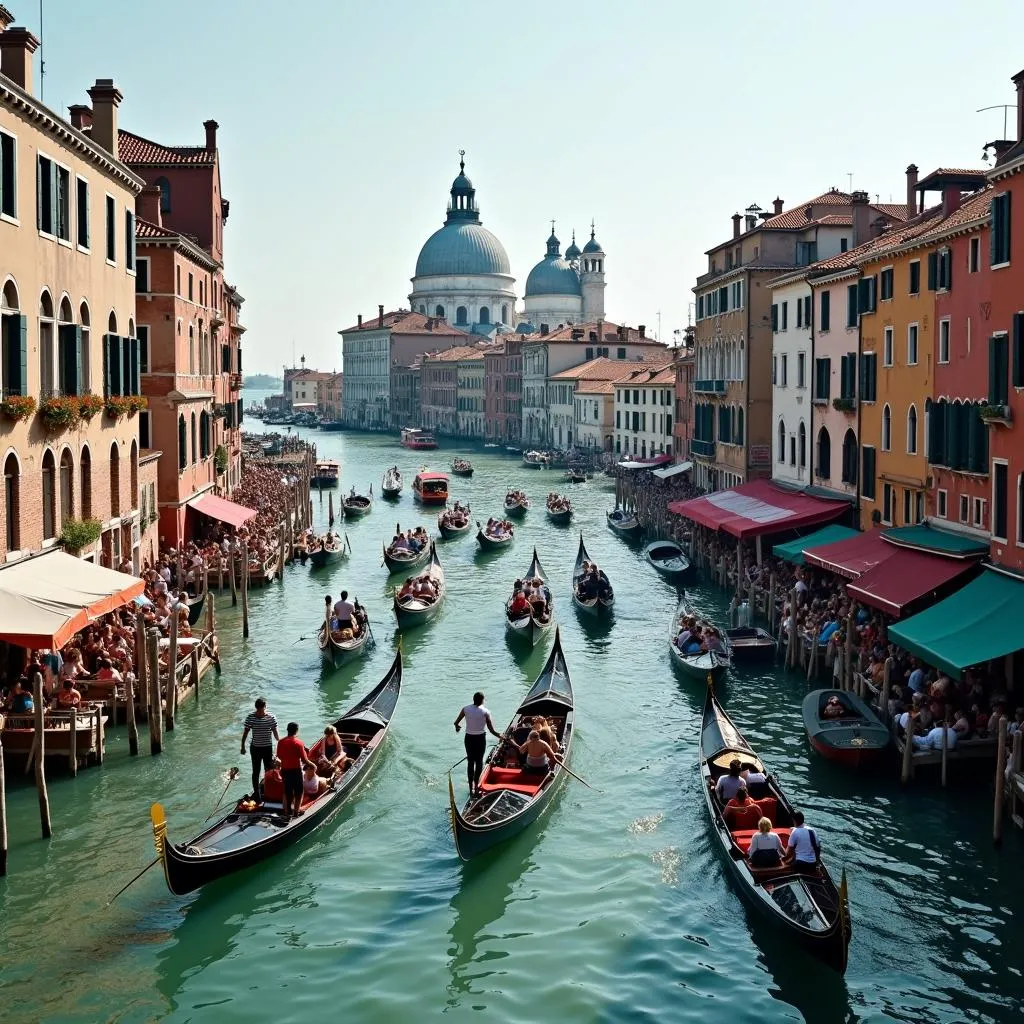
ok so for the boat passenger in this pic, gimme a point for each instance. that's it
(333, 754)
(729, 785)
(766, 847)
(756, 780)
(312, 783)
(833, 708)
(408, 588)
(803, 849)
(539, 755)
(343, 609)
(933, 739)
(293, 756)
(712, 642)
(67, 696)
(520, 606)
(273, 785)
(741, 811)
(20, 700)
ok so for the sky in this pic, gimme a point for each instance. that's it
(341, 122)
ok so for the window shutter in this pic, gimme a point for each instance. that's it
(133, 360)
(933, 270)
(69, 348)
(54, 215)
(112, 364)
(775, 317)
(23, 355)
(39, 202)
(825, 311)
(1007, 233)
(1018, 350)
(949, 269)
(993, 241)
(127, 378)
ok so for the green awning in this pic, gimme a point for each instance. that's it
(974, 625)
(793, 551)
(943, 542)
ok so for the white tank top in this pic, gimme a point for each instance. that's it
(476, 719)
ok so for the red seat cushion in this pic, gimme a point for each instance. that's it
(739, 818)
(743, 836)
(515, 779)
(769, 805)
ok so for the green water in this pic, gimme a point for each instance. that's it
(615, 908)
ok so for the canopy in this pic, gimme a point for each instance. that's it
(45, 599)
(854, 556)
(221, 509)
(793, 551)
(974, 625)
(670, 471)
(759, 507)
(928, 538)
(905, 577)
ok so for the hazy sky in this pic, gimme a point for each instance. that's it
(341, 124)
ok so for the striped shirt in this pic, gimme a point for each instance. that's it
(262, 727)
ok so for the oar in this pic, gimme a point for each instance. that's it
(133, 881)
(457, 763)
(232, 775)
(576, 777)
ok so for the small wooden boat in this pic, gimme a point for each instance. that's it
(413, 611)
(357, 505)
(450, 530)
(418, 440)
(490, 541)
(575, 476)
(668, 558)
(536, 460)
(195, 608)
(430, 488)
(600, 603)
(325, 474)
(401, 560)
(529, 627)
(625, 524)
(332, 425)
(749, 643)
(703, 665)
(516, 507)
(462, 467)
(391, 485)
(807, 907)
(337, 652)
(559, 511)
(252, 831)
(332, 550)
(853, 736)
(512, 797)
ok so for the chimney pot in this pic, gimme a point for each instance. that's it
(211, 127)
(380, 316)
(359, 320)
(861, 217)
(148, 205)
(642, 328)
(736, 218)
(81, 115)
(777, 204)
(17, 45)
(911, 190)
(106, 98)
(6, 18)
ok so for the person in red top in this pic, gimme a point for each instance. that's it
(273, 784)
(292, 753)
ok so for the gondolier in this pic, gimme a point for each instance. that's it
(263, 726)
(478, 722)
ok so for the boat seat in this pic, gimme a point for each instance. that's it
(515, 779)
(743, 818)
(741, 837)
(769, 807)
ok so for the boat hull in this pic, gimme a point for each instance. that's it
(560, 518)
(531, 633)
(451, 532)
(856, 739)
(490, 544)
(676, 567)
(396, 565)
(335, 655)
(751, 643)
(630, 529)
(356, 511)
(516, 511)
(195, 609)
(321, 558)
(461, 472)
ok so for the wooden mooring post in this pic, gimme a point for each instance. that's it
(156, 709)
(231, 574)
(245, 590)
(3, 814)
(143, 681)
(907, 766)
(172, 672)
(39, 746)
(194, 667)
(997, 811)
(73, 741)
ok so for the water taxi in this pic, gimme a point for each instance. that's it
(418, 440)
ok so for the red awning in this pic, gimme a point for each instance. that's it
(905, 577)
(854, 556)
(222, 510)
(758, 507)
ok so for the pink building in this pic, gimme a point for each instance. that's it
(503, 382)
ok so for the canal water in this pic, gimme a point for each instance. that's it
(614, 908)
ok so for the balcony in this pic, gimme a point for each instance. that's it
(709, 387)
(702, 449)
(235, 382)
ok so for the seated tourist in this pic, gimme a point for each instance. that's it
(932, 740)
(756, 780)
(741, 812)
(332, 750)
(731, 783)
(766, 849)
(312, 784)
(408, 589)
(20, 700)
(539, 755)
(833, 708)
(520, 606)
(273, 784)
(712, 642)
(67, 696)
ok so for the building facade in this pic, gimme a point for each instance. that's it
(439, 388)
(405, 395)
(470, 397)
(503, 387)
(684, 369)
(595, 415)
(644, 406)
(565, 410)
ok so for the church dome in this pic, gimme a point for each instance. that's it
(593, 245)
(573, 252)
(462, 247)
(553, 276)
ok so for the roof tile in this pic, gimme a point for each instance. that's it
(135, 150)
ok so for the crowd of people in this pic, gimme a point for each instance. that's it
(456, 517)
(558, 503)
(517, 497)
(530, 596)
(498, 529)
(422, 589)
(594, 583)
(697, 636)
(409, 543)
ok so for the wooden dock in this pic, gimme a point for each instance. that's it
(80, 747)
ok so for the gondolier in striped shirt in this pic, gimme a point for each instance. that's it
(263, 726)
(478, 722)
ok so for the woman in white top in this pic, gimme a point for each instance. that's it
(765, 847)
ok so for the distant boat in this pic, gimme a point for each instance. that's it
(332, 425)
(418, 440)
(668, 558)
(326, 474)
(430, 488)
(391, 485)
(854, 737)
(625, 524)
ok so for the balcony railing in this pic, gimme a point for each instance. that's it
(703, 449)
(712, 387)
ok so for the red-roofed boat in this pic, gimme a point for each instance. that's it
(431, 488)
(418, 440)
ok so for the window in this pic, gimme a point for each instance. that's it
(803, 445)
(82, 213)
(700, 307)
(944, 269)
(806, 253)
(165, 194)
(915, 278)
(143, 335)
(944, 341)
(964, 508)
(824, 454)
(785, 374)
(869, 377)
(998, 357)
(822, 379)
(933, 271)
(801, 374)
(912, 345)
(785, 316)
(974, 255)
(111, 209)
(1018, 350)
(12, 495)
(912, 431)
(8, 180)
(888, 503)
(886, 428)
(190, 287)
(144, 440)
(979, 513)
(67, 487)
(844, 244)
(885, 283)
(129, 240)
(782, 441)
(142, 275)
(999, 237)
(887, 347)
(908, 506)
(182, 443)
(849, 457)
(848, 376)
(775, 318)
(620, 353)
(46, 195)
(1000, 499)
(824, 310)
(941, 502)
(868, 472)
(49, 496)
(867, 294)
(799, 313)
(1020, 508)
(792, 451)
(851, 305)
(723, 299)
(461, 315)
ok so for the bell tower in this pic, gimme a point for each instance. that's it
(591, 264)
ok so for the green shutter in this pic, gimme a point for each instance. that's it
(933, 271)
(775, 317)
(22, 355)
(69, 350)
(133, 362)
(993, 233)
(1018, 350)
(1007, 234)
(825, 300)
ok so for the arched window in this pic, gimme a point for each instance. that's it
(191, 349)
(802, 434)
(67, 486)
(782, 441)
(49, 496)
(504, 314)
(165, 194)
(485, 315)
(115, 479)
(461, 315)
(204, 434)
(195, 441)
(47, 358)
(886, 429)
(85, 321)
(182, 443)
(739, 425)
(12, 492)
(64, 315)
(423, 309)
(439, 311)
(85, 490)
(112, 323)
(742, 367)
(912, 431)
(134, 470)
(849, 457)
(824, 454)
(9, 299)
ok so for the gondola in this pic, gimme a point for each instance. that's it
(530, 628)
(516, 508)
(536, 460)
(600, 604)
(560, 516)
(461, 467)
(750, 643)
(855, 738)
(326, 554)
(703, 664)
(357, 505)
(404, 561)
(809, 908)
(195, 608)
(251, 832)
(511, 797)
(667, 557)
(338, 652)
(450, 532)
(414, 611)
(625, 524)
(391, 484)
(488, 542)
(575, 476)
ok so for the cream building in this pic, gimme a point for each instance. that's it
(470, 395)
(644, 404)
(595, 414)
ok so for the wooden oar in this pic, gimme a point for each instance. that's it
(133, 881)
(232, 775)
(576, 777)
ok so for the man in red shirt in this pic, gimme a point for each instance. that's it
(292, 753)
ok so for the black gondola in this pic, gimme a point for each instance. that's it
(248, 835)
(195, 608)
(750, 643)
(602, 600)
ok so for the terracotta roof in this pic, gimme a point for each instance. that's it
(133, 149)
(146, 229)
(453, 355)
(601, 368)
(404, 321)
(663, 373)
(595, 387)
(608, 336)
(896, 210)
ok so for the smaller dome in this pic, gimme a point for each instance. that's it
(462, 183)
(593, 245)
(573, 252)
(553, 276)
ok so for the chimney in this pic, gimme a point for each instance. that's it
(81, 115)
(736, 218)
(16, 48)
(147, 206)
(950, 199)
(778, 206)
(642, 328)
(380, 316)
(211, 135)
(5, 17)
(359, 322)
(861, 218)
(106, 98)
(1018, 80)
(911, 190)
(750, 220)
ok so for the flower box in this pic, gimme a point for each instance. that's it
(60, 413)
(80, 533)
(843, 404)
(17, 407)
(88, 406)
(996, 413)
(125, 405)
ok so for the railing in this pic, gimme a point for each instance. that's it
(703, 449)
(714, 387)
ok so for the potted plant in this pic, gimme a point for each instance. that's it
(220, 459)
(88, 406)
(17, 407)
(996, 412)
(843, 404)
(118, 406)
(80, 533)
(60, 413)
